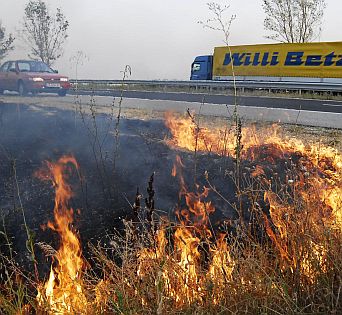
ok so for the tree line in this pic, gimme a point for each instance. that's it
(287, 21)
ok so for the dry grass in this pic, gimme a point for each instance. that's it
(287, 260)
(258, 284)
(133, 282)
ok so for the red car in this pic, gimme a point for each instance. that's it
(26, 76)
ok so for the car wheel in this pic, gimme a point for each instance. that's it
(62, 93)
(34, 93)
(22, 89)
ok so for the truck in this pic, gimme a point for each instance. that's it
(304, 62)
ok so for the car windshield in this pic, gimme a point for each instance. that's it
(34, 66)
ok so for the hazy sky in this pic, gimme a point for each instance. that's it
(157, 38)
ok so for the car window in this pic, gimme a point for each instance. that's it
(24, 66)
(4, 67)
(12, 67)
(39, 66)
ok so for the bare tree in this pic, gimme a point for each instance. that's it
(6, 43)
(220, 20)
(44, 33)
(77, 60)
(294, 21)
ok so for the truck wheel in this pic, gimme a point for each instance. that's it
(62, 93)
(22, 89)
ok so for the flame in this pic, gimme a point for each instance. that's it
(265, 145)
(182, 273)
(63, 292)
(299, 217)
(186, 134)
(221, 268)
(198, 211)
(187, 260)
(186, 249)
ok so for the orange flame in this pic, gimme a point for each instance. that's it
(299, 217)
(197, 211)
(267, 144)
(186, 283)
(316, 186)
(63, 292)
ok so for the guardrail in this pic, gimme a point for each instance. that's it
(216, 85)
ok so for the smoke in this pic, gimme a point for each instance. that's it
(103, 194)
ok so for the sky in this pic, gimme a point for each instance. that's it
(158, 38)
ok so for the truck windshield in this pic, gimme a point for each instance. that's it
(196, 67)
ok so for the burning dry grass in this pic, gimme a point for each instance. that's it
(284, 257)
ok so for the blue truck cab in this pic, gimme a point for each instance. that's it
(202, 68)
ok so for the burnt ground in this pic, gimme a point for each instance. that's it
(29, 135)
(110, 173)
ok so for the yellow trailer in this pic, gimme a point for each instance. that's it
(272, 62)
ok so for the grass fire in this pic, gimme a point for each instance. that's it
(278, 250)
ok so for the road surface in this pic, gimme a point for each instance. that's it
(319, 113)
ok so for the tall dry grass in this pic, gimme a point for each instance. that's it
(286, 260)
